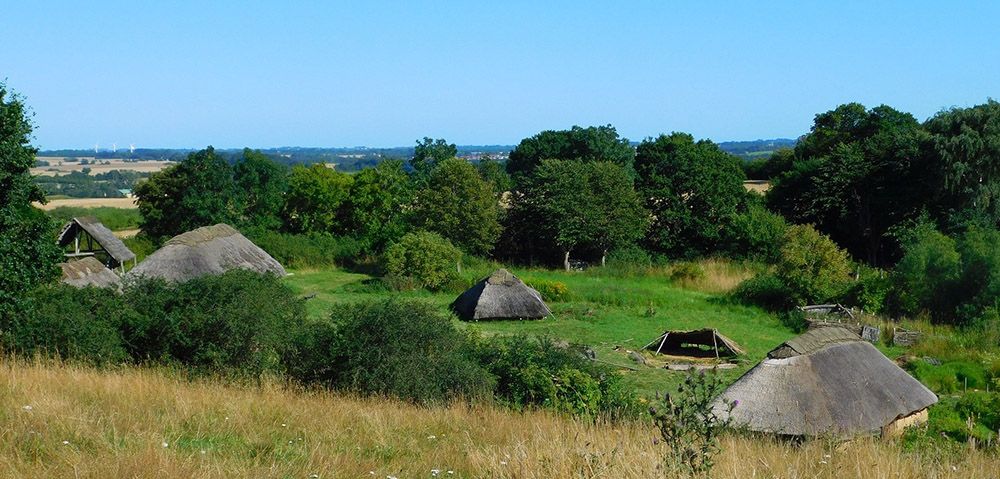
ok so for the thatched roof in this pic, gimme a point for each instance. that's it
(101, 234)
(205, 251)
(824, 382)
(686, 343)
(500, 296)
(88, 271)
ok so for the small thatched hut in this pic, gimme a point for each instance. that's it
(700, 343)
(500, 296)
(90, 237)
(205, 251)
(826, 382)
(88, 271)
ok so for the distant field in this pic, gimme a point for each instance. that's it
(89, 203)
(760, 186)
(57, 165)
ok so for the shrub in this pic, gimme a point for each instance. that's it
(312, 250)
(552, 291)
(74, 324)
(240, 323)
(871, 292)
(811, 266)
(686, 271)
(766, 291)
(755, 234)
(424, 259)
(925, 277)
(394, 347)
(689, 426)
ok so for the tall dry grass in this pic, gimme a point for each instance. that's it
(68, 421)
(713, 275)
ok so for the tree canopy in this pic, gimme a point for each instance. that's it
(378, 208)
(595, 143)
(459, 205)
(314, 198)
(692, 190)
(429, 153)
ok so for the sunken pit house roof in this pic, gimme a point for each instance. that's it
(88, 271)
(500, 296)
(825, 382)
(206, 251)
(686, 343)
(102, 235)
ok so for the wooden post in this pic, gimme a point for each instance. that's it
(662, 341)
(566, 260)
(715, 343)
(76, 243)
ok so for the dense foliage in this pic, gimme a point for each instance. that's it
(458, 204)
(422, 259)
(595, 143)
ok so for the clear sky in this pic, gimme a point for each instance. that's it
(263, 74)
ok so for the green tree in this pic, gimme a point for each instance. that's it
(856, 176)
(812, 267)
(28, 253)
(423, 259)
(621, 219)
(314, 198)
(692, 190)
(377, 210)
(595, 143)
(198, 191)
(262, 184)
(494, 173)
(460, 206)
(964, 147)
(429, 153)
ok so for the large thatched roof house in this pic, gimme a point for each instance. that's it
(88, 271)
(826, 382)
(90, 237)
(500, 296)
(205, 251)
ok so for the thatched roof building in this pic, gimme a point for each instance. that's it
(500, 296)
(88, 271)
(825, 382)
(96, 240)
(702, 343)
(205, 251)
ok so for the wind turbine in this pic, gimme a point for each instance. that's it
(114, 147)
(131, 148)
(95, 148)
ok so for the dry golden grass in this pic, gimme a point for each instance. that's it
(89, 203)
(57, 166)
(67, 421)
(720, 276)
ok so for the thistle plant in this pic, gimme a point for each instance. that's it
(689, 426)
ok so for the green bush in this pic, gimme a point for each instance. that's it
(312, 250)
(70, 323)
(871, 292)
(422, 259)
(551, 291)
(926, 275)
(766, 291)
(238, 323)
(399, 348)
(686, 271)
(755, 234)
(811, 266)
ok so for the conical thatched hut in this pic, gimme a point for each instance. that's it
(88, 271)
(205, 251)
(500, 296)
(826, 382)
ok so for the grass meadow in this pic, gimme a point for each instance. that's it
(60, 420)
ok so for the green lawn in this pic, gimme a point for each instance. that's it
(604, 311)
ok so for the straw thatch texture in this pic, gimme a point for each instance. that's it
(837, 386)
(500, 296)
(88, 272)
(101, 234)
(205, 251)
(676, 343)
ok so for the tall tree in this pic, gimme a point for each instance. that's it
(493, 172)
(377, 210)
(198, 191)
(460, 206)
(28, 253)
(964, 149)
(621, 219)
(856, 175)
(429, 153)
(600, 143)
(314, 199)
(692, 189)
(262, 183)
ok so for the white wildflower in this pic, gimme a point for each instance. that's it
(432, 437)
(65, 443)
(26, 408)
(165, 444)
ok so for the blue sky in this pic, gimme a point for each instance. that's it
(262, 74)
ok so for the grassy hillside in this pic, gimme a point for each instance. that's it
(603, 310)
(63, 421)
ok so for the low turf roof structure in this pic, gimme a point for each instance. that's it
(500, 296)
(825, 382)
(85, 231)
(700, 343)
(206, 251)
(88, 271)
